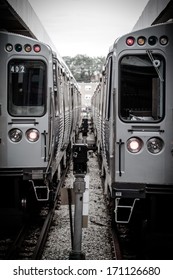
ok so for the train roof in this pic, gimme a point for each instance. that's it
(112, 47)
(54, 51)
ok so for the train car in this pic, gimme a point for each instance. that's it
(134, 105)
(39, 118)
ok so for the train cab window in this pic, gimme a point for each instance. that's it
(142, 88)
(26, 87)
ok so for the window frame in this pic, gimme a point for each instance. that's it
(161, 92)
(11, 106)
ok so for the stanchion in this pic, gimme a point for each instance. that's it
(80, 169)
(79, 189)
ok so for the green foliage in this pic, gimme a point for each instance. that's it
(84, 68)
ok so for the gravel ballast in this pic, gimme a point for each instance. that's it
(96, 243)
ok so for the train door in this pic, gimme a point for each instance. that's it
(140, 124)
(99, 104)
(107, 113)
(73, 117)
(58, 110)
(66, 111)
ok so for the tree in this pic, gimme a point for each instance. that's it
(84, 68)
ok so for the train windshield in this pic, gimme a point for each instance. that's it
(142, 88)
(26, 87)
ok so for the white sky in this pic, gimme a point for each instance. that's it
(87, 26)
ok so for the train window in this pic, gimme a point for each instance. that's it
(109, 86)
(103, 92)
(26, 87)
(56, 89)
(108, 81)
(142, 87)
(66, 93)
(60, 89)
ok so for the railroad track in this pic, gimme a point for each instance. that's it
(28, 240)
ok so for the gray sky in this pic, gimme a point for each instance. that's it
(87, 26)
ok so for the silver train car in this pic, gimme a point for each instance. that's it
(132, 111)
(40, 107)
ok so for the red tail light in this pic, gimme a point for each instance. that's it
(37, 48)
(130, 41)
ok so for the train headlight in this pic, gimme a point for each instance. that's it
(32, 135)
(154, 145)
(15, 135)
(134, 145)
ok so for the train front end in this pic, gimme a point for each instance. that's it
(24, 115)
(144, 123)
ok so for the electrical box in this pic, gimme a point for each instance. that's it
(80, 158)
